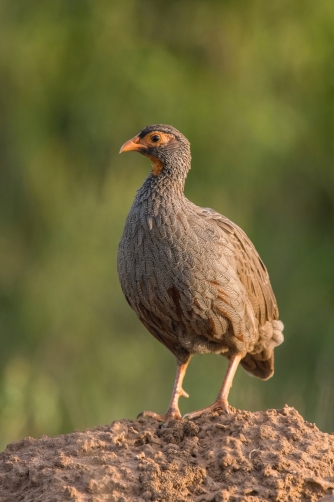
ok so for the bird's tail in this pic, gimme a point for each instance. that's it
(260, 362)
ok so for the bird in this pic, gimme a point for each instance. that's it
(192, 276)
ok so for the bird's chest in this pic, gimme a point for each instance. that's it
(164, 253)
(152, 253)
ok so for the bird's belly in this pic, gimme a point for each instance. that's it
(168, 287)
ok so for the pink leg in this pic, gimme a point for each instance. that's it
(221, 401)
(173, 411)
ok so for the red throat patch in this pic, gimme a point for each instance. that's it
(157, 166)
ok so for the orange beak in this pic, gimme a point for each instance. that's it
(132, 144)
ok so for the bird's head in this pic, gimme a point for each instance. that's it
(164, 145)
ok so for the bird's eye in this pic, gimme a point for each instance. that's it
(155, 138)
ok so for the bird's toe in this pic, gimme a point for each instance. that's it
(170, 415)
(219, 405)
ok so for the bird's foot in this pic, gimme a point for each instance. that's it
(171, 414)
(218, 405)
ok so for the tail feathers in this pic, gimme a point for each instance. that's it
(260, 362)
(263, 369)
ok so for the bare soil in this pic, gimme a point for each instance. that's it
(264, 456)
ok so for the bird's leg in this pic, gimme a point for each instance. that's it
(173, 411)
(221, 401)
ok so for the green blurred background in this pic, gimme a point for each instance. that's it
(251, 84)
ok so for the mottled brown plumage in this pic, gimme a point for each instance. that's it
(192, 276)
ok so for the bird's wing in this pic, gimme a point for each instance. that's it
(250, 268)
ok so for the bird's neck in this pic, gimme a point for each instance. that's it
(168, 179)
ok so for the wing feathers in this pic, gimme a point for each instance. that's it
(250, 268)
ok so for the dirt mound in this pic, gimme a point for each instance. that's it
(272, 455)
